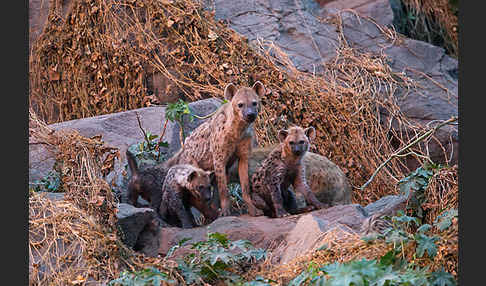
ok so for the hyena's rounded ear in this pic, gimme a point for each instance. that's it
(192, 175)
(310, 132)
(282, 134)
(229, 91)
(259, 88)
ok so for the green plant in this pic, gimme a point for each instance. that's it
(49, 183)
(150, 147)
(444, 220)
(218, 258)
(236, 198)
(399, 234)
(385, 272)
(175, 113)
(148, 276)
(414, 186)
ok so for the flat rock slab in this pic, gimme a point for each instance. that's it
(287, 238)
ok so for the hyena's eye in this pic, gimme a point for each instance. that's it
(254, 103)
(291, 142)
(240, 105)
(301, 142)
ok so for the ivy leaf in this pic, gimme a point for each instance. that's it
(219, 237)
(190, 275)
(442, 278)
(426, 243)
(389, 258)
(301, 278)
(220, 254)
(424, 228)
(444, 220)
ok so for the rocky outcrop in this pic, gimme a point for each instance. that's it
(287, 237)
(138, 228)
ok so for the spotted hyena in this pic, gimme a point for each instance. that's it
(224, 138)
(283, 167)
(186, 186)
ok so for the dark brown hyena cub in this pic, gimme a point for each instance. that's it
(186, 186)
(225, 137)
(146, 182)
(283, 167)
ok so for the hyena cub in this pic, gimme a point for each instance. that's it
(186, 186)
(283, 167)
(225, 137)
(146, 182)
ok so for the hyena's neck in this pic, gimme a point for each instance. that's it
(288, 157)
(236, 124)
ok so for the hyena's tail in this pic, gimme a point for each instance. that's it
(132, 163)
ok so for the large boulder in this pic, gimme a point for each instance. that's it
(288, 237)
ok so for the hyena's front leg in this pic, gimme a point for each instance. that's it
(277, 201)
(220, 172)
(243, 152)
(300, 185)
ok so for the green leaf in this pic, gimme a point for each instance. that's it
(426, 243)
(444, 220)
(219, 237)
(389, 258)
(299, 279)
(152, 137)
(442, 278)
(424, 228)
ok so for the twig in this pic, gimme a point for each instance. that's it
(398, 153)
(160, 138)
(143, 131)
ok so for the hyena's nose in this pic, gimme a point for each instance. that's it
(250, 117)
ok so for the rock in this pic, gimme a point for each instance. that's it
(388, 205)
(288, 237)
(379, 10)
(132, 221)
(326, 180)
(306, 234)
(260, 231)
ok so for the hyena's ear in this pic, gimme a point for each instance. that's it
(282, 134)
(310, 132)
(229, 91)
(259, 88)
(192, 175)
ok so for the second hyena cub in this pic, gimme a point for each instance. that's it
(283, 167)
(186, 186)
